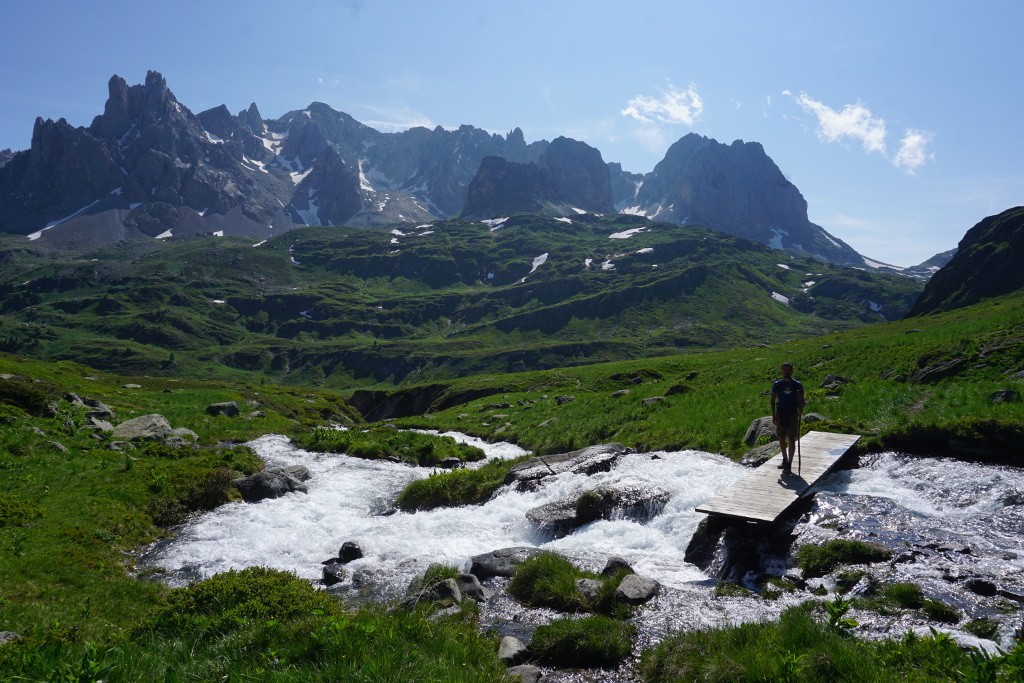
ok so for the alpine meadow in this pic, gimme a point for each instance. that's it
(297, 399)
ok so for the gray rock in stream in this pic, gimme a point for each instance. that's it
(526, 476)
(270, 483)
(560, 518)
(502, 562)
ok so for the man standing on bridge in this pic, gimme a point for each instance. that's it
(787, 407)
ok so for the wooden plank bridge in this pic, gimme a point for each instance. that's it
(765, 493)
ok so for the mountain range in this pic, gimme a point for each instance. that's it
(147, 167)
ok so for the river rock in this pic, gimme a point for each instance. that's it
(615, 564)
(561, 517)
(333, 572)
(590, 460)
(445, 591)
(227, 408)
(8, 637)
(350, 550)
(527, 673)
(636, 590)
(502, 562)
(511, 650)
(590, 589)
(153, 427)
(270, 483)
(470, 588)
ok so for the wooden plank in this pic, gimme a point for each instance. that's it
(766, 493)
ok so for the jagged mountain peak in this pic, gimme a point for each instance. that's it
(147, 147)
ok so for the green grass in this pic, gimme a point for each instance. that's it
(259, 624)
(459, 487)
(799, 648)
(591, 642)
(375, 444)
(549, 580)
(819, 560)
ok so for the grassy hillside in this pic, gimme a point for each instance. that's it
(345, 307)
(707, 400)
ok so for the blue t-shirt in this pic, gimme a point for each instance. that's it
(788, 393)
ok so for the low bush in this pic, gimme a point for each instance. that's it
(15, 510)
(32, 397)
(819, 560)
(592, 642)
(219, 603)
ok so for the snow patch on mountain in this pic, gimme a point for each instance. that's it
(494, 223)
(537, 263)
(626, 234)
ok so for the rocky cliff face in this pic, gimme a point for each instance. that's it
(986, 263)
(569, 175)
(735, 189)
(147, 166)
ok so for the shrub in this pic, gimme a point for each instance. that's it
(15, 510)
(818, 560)
(225, 600)
(595, 641)
(32, 397)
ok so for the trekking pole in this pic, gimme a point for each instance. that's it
(799, 458)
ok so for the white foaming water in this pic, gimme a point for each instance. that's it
(298, 531)
(931, 487)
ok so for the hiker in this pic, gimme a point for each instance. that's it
(787, 407)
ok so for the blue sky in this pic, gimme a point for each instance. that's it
(900, 122)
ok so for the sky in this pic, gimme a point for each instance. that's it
(899, 122)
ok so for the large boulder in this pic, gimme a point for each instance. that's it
(501, 562)
(590, 460)
(270, 483)
(561, 517)
(227, 408)
(762, 426)
(153, 427)
(636, 590)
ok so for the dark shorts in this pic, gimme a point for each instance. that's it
(788, 427)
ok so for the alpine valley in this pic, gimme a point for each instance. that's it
(230, 345)
(157, 241)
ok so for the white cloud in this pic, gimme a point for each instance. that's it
(914, 152)
(853, 121)
(672, 106)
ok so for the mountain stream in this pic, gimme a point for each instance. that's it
(955, 529)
